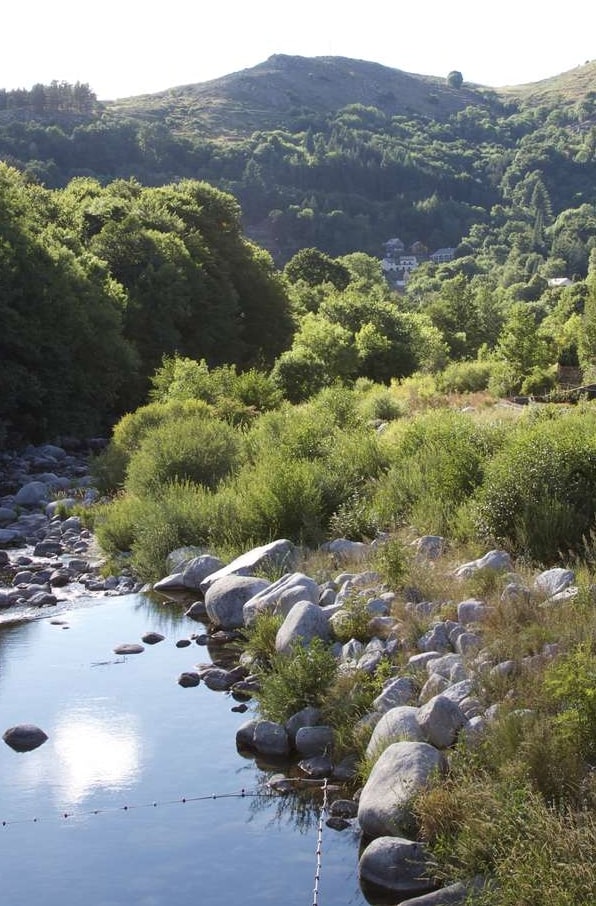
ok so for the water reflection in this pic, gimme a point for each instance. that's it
(96, 752)
(128, 733)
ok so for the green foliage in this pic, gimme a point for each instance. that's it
(110, 466)
(464, 377)
(197, 449)
(315, 267)
(278, 497)
(260, 639)
(437, 462)
(538, 492)
(571, 680)
(294, 681)
(391, 561)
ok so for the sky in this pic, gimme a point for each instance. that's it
(123, 48)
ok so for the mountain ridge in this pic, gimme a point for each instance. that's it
(285, 89)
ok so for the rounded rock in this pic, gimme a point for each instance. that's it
(24, 737)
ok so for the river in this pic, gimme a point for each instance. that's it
(124, 735)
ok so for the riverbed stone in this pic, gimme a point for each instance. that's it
(310, 741)
(225, 599)
(31, 494)
(402, 690)
(496, 560)
(457, 894)
(271, 739)
(396, 725)
(440, 720)
(398, 865)
(551, 582)
(402, 770)
(276, 554)
(152, 638)
(280, 596)
(304, 623)
(128, 648)
(188, 679)
(24, 737)
(306, 717)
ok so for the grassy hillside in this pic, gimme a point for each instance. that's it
(285, 91)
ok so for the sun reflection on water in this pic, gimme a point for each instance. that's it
(93, 752)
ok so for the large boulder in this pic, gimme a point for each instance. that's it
(496, 560)
(276, 554)
(225, 599)
(281, 596)
(440, 720)
(31, 494)
(396, 725)
(401, 771)
(553, 581)
(402, 690)
(398, 865)
(304, 623)
(270, 738)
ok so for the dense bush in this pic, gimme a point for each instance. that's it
(539, 491)
(111, 464)
(436, 462)
(198, 449)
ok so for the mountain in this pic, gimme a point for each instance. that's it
(286, 92)
(330, 152)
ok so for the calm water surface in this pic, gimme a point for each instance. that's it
(123, 732)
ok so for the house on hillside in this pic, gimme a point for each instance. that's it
(441, 256)
(397, 265)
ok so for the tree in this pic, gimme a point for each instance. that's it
(315, 267)
(455, 79)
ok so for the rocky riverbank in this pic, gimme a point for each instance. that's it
(48, 558)
(434, 698)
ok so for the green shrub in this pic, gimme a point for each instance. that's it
(184, 514)
(539, 492)
(260, 638)
(436, 463)
(464, 377)
(571, 680)
(198, 449)
(296, 680)
(115, 524)
(109, 467)
(279, 497)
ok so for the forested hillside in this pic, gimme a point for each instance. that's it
(242, 222)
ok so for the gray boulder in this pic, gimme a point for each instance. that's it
(197, 569)
(399, 691)
(403, 769)
(397, 725)
(457, 894)
(225, 599)
(281, 596)
(304, 623)
(276, 554)
(440, 720)
(397, 865)
(472, 611)
(31, 494)
(311, 741)
(307, 717)
(270, 738)
(343, 549)
(500, 561)
(553, 581)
